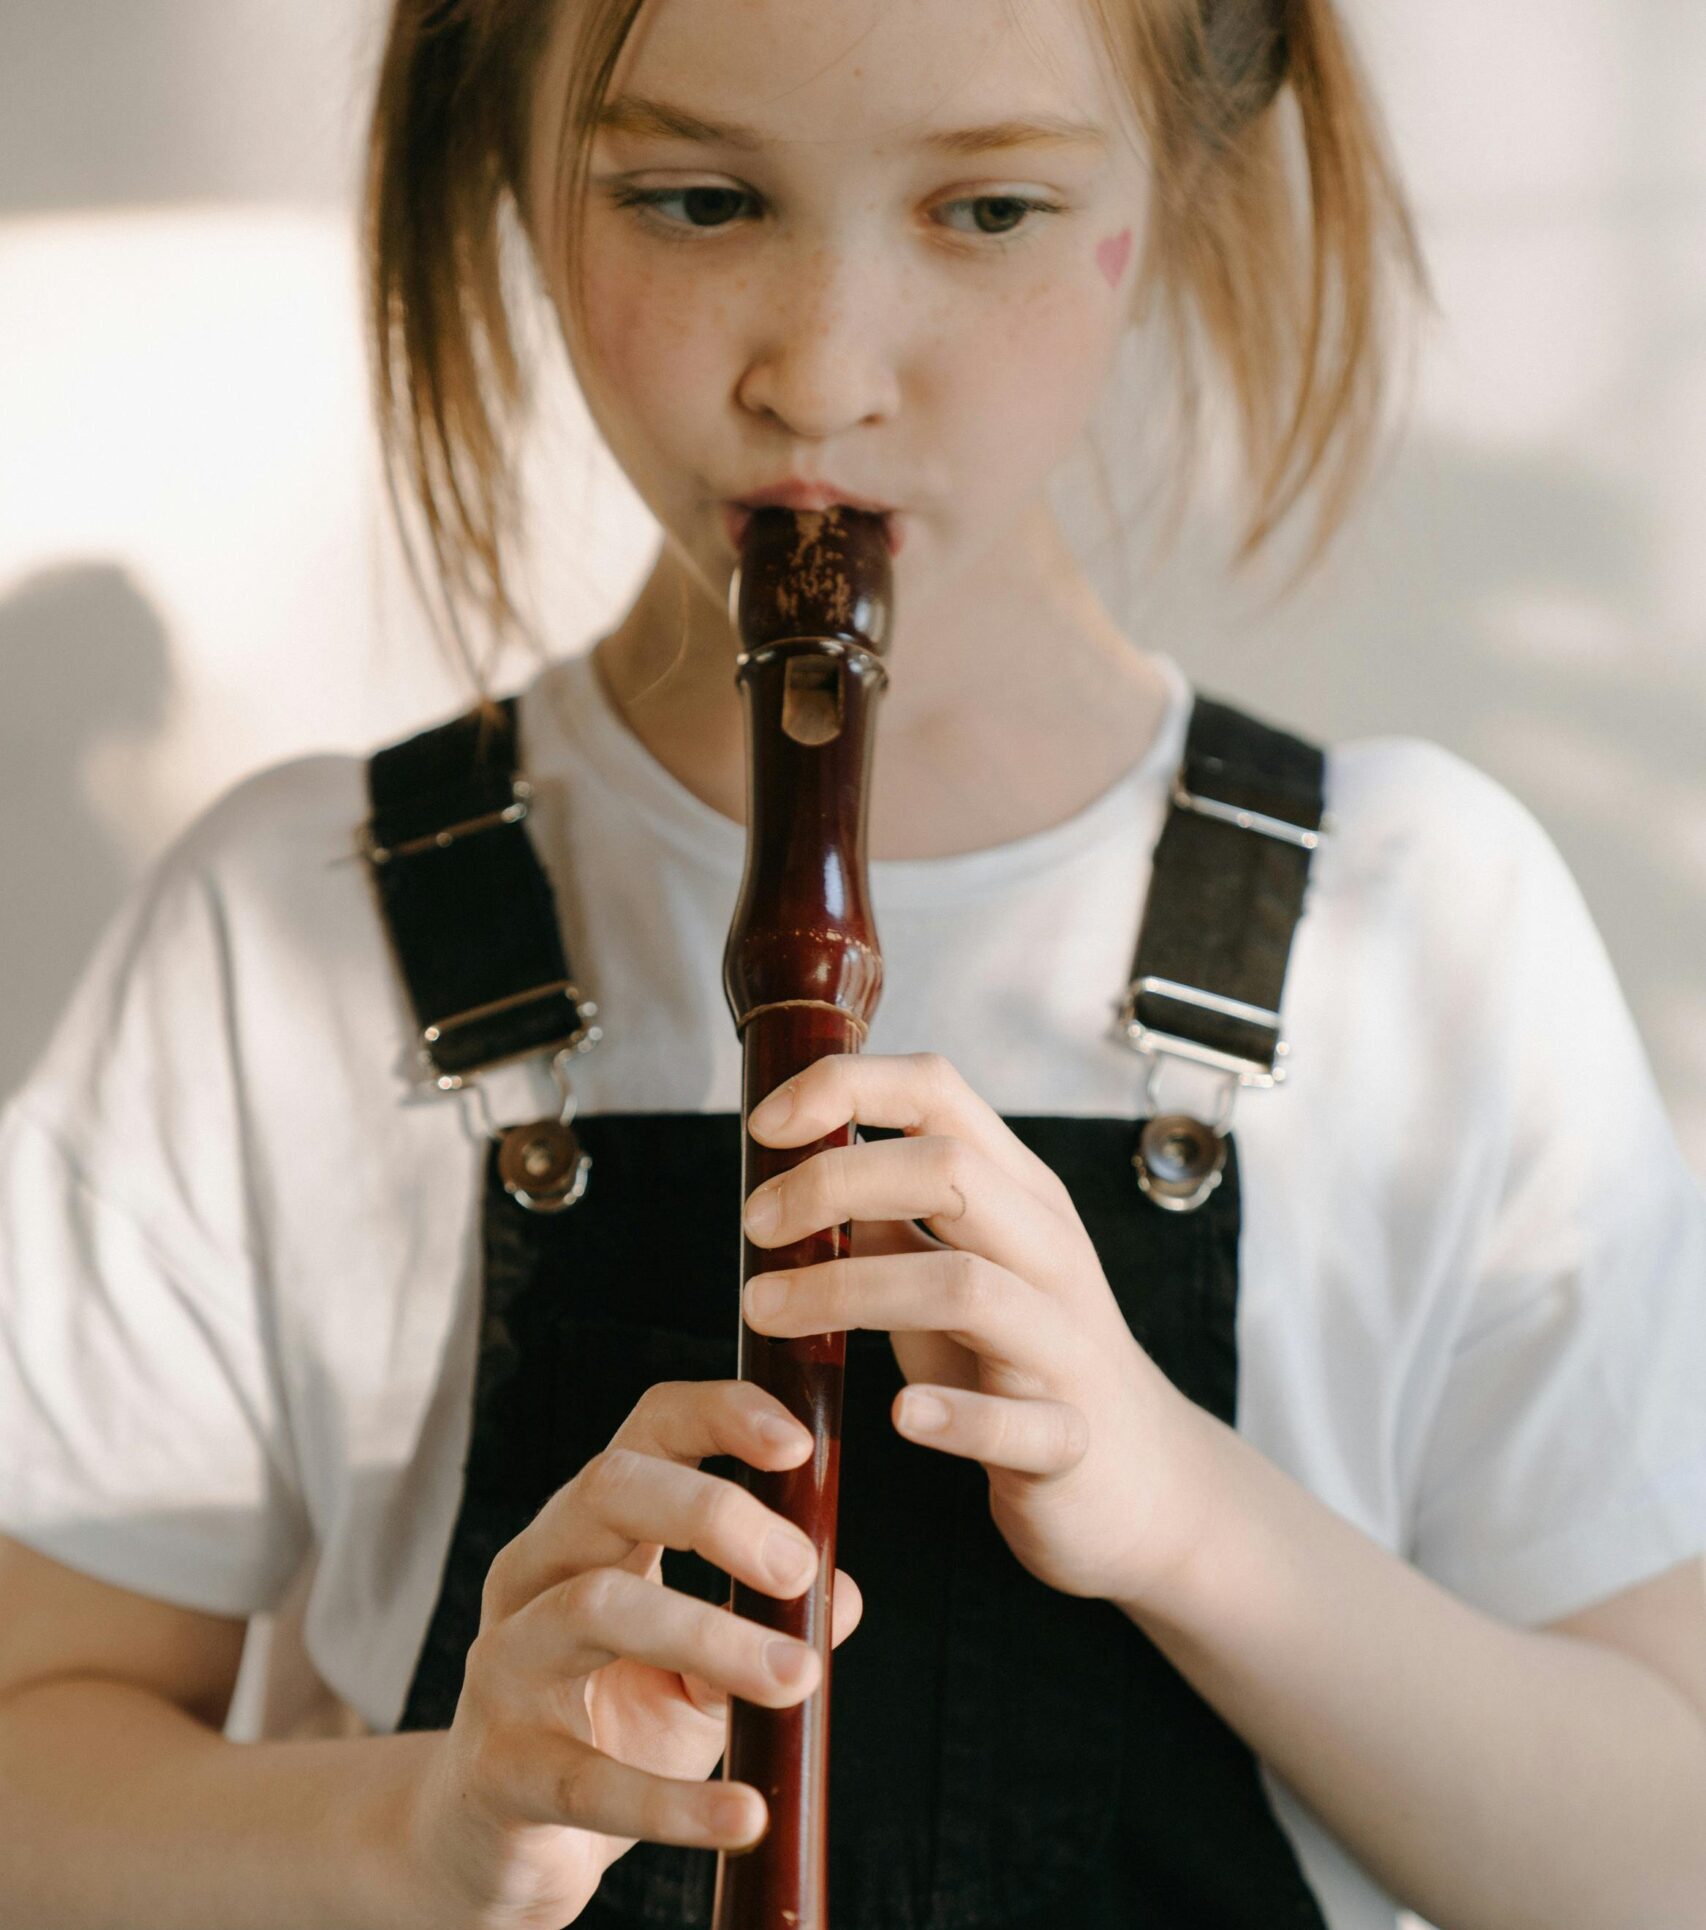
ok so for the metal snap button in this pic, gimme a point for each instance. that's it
(1179, 1161)
(543, 1165)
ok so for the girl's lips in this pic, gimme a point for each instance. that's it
(735, 520)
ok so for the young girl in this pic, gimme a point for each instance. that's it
(1284, 1528)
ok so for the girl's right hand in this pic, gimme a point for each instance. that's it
(594, 1703)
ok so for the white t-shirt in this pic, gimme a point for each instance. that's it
(239, 1240)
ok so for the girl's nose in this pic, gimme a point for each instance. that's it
(823, 360)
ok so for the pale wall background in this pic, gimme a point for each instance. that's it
(195, 576)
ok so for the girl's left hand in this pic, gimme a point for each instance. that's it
(1097, 1464)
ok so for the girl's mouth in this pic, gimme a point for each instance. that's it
(738, 514)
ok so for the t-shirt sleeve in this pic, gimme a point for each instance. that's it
(143, 1434)
(1566, 1460)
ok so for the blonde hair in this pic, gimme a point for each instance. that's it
(1284, 283)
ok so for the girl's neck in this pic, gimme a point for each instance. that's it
(1007, 714)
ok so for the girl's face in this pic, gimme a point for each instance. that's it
(882, 250)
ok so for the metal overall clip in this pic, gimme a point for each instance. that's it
(472, 920)
(1181, 1156)
(541, 1162)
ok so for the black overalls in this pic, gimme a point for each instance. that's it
(1000, 1753)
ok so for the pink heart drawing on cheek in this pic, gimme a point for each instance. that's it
(1113, 254)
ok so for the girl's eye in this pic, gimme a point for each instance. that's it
(709, 209)
(704, 208)
(999, 215)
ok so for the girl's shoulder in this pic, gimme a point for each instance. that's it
(1434, 843)
(256, 912)
(297, 812)
(266, 883)
(1448, 961)
(1398, 796)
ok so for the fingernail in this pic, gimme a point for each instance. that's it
(763, 1210)
(778, 1432)
(764, 1298)
(786, 1559)
(732, 1815)
(786, 1660)
(773, 1113)
(923, 1413)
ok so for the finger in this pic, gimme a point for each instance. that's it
(545, 1776)
(919, 1092)
(1028, 1436)
(847, 1609)
(592, 1619)
(624, 1499)
(1001, 1318)
(685, 1420)
(599, 1521)
(963, 1198)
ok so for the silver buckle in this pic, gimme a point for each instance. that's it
(1180, 1157)
(1281, 829)
(582, 1039)
(1148, 1040)
(521, 794)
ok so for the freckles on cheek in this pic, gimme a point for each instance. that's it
(1029, 383)
(1021, 386)
(641, 380)
(644, 316)
(627, 323)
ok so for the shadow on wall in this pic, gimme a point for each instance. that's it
(83, 656)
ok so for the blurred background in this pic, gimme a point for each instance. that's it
(196, 575)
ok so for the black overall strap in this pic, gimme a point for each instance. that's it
(1231, 869)
(470, 912)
